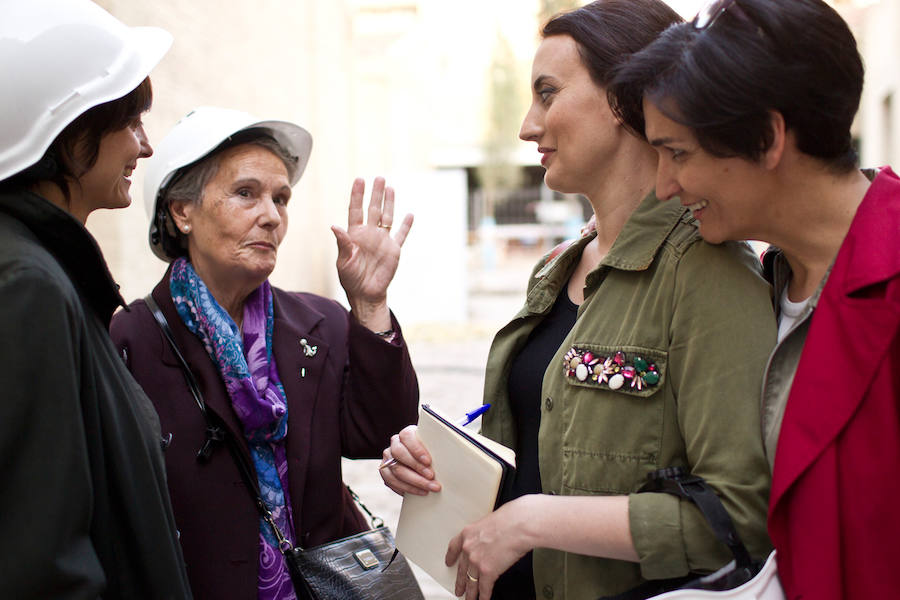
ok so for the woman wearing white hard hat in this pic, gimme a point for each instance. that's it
(84, 511)
(295, 378)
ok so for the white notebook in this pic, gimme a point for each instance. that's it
(471, 470)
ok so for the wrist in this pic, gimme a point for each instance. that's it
(529, 522)
(376, 317)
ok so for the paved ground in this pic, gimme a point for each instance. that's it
(449, 361)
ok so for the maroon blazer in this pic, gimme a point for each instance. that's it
(345, 400)
(834, 511)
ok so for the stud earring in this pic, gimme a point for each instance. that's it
(186, 228)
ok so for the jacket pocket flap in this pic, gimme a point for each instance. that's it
(633, 370)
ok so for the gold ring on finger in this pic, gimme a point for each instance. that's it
(388, 463)
(472, 578)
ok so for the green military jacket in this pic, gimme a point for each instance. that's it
(662, 368)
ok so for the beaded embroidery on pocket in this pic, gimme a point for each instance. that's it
(614, 371)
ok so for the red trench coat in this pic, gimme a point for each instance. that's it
(346, 400)
(834, 511)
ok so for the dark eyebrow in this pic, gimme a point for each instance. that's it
(539, 81)
(662, 141)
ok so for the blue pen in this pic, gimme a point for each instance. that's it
(472, 415)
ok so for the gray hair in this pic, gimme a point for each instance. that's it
(188, 183)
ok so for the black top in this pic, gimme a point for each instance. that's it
(526, 377)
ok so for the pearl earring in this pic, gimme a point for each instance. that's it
(186, 228)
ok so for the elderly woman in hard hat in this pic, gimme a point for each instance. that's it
(298, 380)
(84, 511)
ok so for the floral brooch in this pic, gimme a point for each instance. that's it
(612, 371)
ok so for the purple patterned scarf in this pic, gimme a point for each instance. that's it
(248, 369)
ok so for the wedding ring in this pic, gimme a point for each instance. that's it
(388, 464)
(472, 579)
(388, 227)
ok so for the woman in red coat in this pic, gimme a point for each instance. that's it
(298, 380)
(750, 107)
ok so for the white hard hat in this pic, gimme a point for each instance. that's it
(59, 58)
(197, 134)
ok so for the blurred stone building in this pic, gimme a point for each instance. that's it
(878, 124)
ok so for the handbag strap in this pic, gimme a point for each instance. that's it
(217, 433)
(675, 481)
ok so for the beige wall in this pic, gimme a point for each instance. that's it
(879, 118)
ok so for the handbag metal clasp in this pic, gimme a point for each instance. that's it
(366, 559)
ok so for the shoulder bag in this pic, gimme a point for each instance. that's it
(365, 566)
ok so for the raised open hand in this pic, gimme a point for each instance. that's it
(368, 254)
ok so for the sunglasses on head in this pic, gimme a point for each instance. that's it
(710, 13)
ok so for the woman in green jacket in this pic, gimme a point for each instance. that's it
(639, 347)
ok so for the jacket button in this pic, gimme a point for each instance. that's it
(548, 591)
(548, 404)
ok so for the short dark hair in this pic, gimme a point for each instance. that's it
(798, 58)
(74, 151)
(608, 31)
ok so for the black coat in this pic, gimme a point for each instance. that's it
(347, 399)
(84, 510)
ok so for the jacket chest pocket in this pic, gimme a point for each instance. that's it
(615, 410)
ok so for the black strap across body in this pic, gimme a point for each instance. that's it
(365, 566)
(676, 481)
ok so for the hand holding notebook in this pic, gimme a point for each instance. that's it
(471, 470)
(470, 416)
